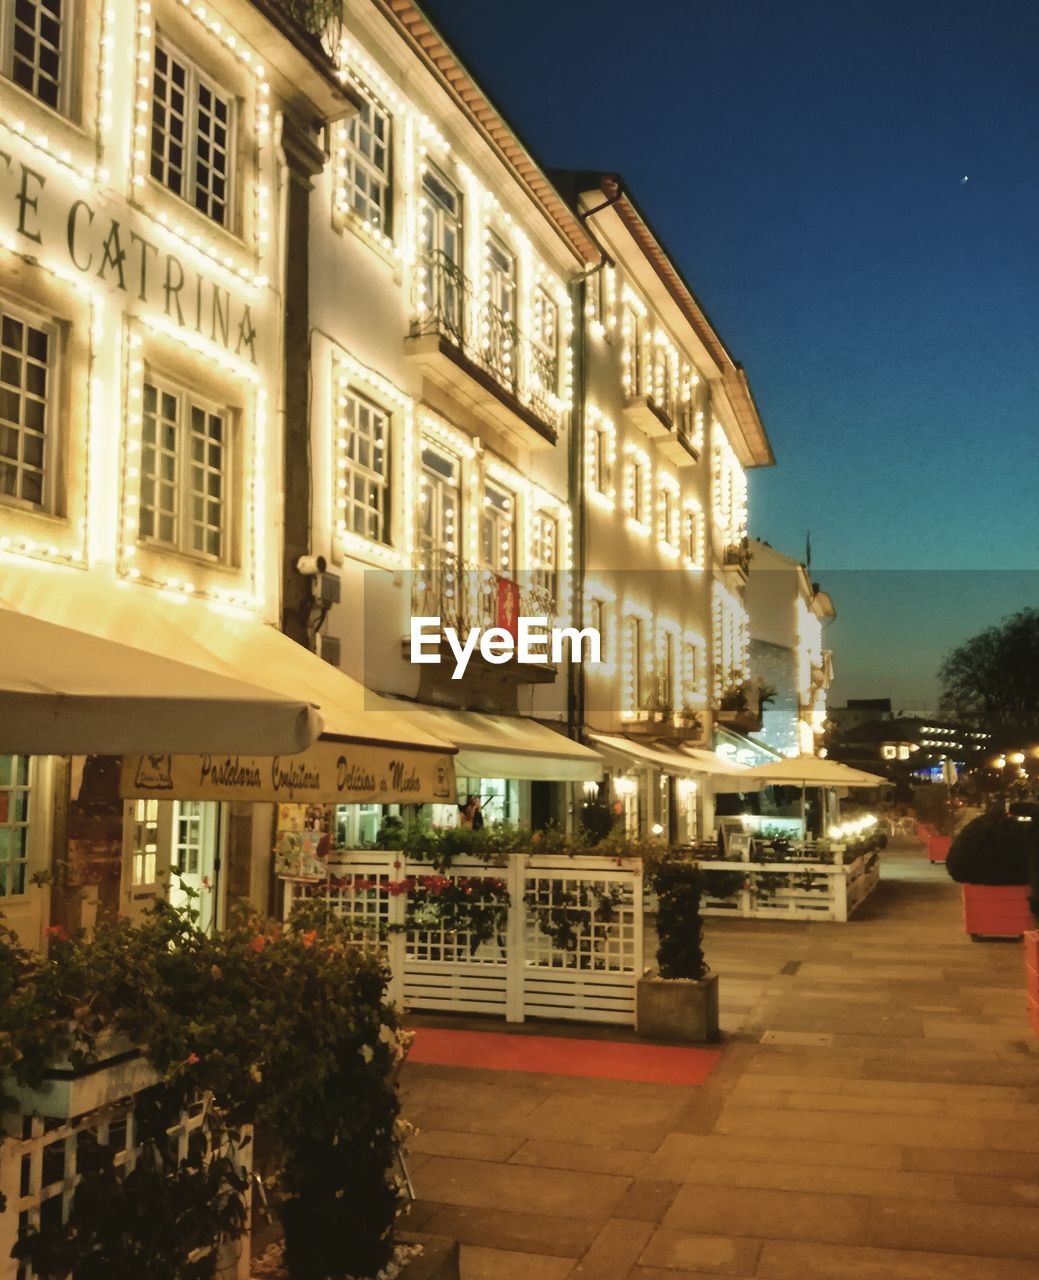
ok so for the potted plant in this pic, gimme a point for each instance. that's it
(934, 812)
(679, 1001)
(990, 859)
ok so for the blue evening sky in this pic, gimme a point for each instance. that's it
(803, 160)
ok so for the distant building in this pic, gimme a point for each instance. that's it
(788, 663)
(860, 711)
(919, 743)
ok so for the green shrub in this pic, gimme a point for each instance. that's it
(993, 849)
(679, 923)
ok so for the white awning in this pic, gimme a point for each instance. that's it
(64, 692)
(814, 771)
(175, 628)
(644, 754)
(492, 746)
(726, 774)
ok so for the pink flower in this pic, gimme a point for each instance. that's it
(258, 943)
(56, 931)
(192, 1060)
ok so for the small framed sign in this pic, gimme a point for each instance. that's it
(739, 846)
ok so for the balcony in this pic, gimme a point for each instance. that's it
(479, 355)
(736, 558)
(300, 37)
(463, 596)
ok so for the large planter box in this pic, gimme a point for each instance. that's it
(679, 1009)
(996, 910)
(1032, 977)
(924, 831)
(938, 847)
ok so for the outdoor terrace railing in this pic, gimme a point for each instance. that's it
(464, 595)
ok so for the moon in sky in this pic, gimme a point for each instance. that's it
(964, 180)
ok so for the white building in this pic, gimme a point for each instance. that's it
(442, 398)
(788, 655)
(669, 428)
(154, 167)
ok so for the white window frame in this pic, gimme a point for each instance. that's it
(67, 25)
(26, 316)
(355, 158)
(181, 544)
(500, 522)
(349, 470)
(10, 790)
(196, 78)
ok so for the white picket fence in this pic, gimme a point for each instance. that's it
(571, 946)
(41, 1144)
(817, 890)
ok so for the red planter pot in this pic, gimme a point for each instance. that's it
(938, 848)
(996, 910)
(924, 831)
(1032, 977)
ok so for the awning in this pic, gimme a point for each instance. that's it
(726, 774)
(814, 771)
(63, 692)
(382, 757)
(644, 754)
(491, 746)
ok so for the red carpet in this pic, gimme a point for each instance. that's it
(552, 1055)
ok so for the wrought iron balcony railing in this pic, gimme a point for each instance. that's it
(462, 595)
(449, 307)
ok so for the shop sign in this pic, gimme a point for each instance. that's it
(326, 773)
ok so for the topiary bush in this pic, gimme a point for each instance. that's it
(677, 885)
(993, 849)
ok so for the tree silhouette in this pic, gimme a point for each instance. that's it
(992, 680)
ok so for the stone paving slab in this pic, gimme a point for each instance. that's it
(898, 1140)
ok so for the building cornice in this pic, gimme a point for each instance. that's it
(432, 50)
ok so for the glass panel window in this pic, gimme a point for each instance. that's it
(27, 352)
(666, 670)
(633, 657)
(191, 134)
(185, 467)
(441, 282)
(544, 540)
(15, 782)
(364, 469)
(668, 511)
(365, 180)
(546, 321)
(498, 530)
(438, 587)
(498, 339)
(599, 617)
(36, 34)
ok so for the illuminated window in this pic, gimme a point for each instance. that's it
(191, 134)
(667, 512)
(364, 471)
(693, 537)
(366, 183)
(599, 618)
(442, 284)
(498, 339)
(498, 530)
(601, 446)
(27, 352)
(546, 322)
(15, 783)
(637, 476)
(665, 668)
(544, 551)
(35, 35)
(439, 504)
(634, 654)
(185, 465)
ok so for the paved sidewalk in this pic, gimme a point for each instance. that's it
(875, 1117)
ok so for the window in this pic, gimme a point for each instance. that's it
(191, 134)
(666, 669)
(36, 34)
(636, 486)
(544, 538)
(441, 282)
(692, 537)
(499, 326)
(364, 466)
(600, 457)
(668, 517)
(439, 501)
(632, 327)
(599, 618)
(498, 530)
(692, 673)
(366, 184)
(27, 351)
(546, 322)
(185, 464)
(15, 782)
(633, 659)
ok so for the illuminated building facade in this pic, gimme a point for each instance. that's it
(152, 156)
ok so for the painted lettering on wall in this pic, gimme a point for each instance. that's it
(111, 254)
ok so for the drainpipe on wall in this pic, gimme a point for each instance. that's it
(576, 685)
